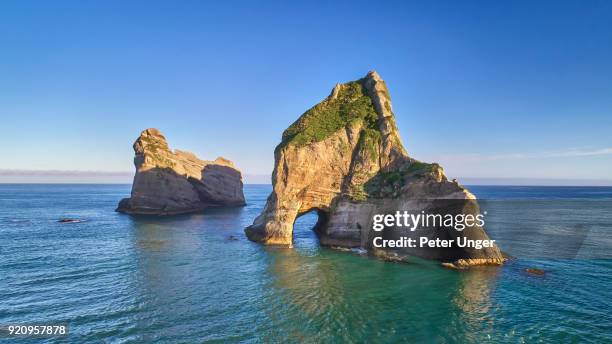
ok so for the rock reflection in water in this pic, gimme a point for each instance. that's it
(350, 297)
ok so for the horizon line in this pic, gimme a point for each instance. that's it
(119, 183)
(22, 176)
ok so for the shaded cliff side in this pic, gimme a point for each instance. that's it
(176, 182)
(344, 159)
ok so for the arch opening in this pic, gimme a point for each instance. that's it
(306, 229)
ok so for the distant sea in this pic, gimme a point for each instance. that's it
(121, 279)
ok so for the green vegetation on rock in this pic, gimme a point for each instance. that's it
(370, 141)
(418, 166)
(389, 183)
(358, 193)
(351, 104)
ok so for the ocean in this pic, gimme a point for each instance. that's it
(121, 279)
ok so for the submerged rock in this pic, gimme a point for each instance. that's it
(70, 220)
(534, 271)
(344, 159)
(177, 182)
(389, 256)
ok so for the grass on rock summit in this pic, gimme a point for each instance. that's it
(352, 104)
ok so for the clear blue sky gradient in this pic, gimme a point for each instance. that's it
(487, 88)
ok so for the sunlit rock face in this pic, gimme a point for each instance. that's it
(344, 159)
(176, 182)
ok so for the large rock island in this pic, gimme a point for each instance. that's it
(344, 159)
(177, 182)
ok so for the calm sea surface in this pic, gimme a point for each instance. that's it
(116, 278)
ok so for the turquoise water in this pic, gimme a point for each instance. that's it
(116, 278)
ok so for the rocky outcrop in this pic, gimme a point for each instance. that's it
(344, 159)
(177, 182)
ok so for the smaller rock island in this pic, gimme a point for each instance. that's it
(177, 182)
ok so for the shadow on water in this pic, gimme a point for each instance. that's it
(156, 232)
(184, 267)
(164, 252)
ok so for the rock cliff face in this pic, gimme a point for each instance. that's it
(168, 183)
(344, 159)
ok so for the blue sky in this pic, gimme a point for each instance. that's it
(490, 89)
